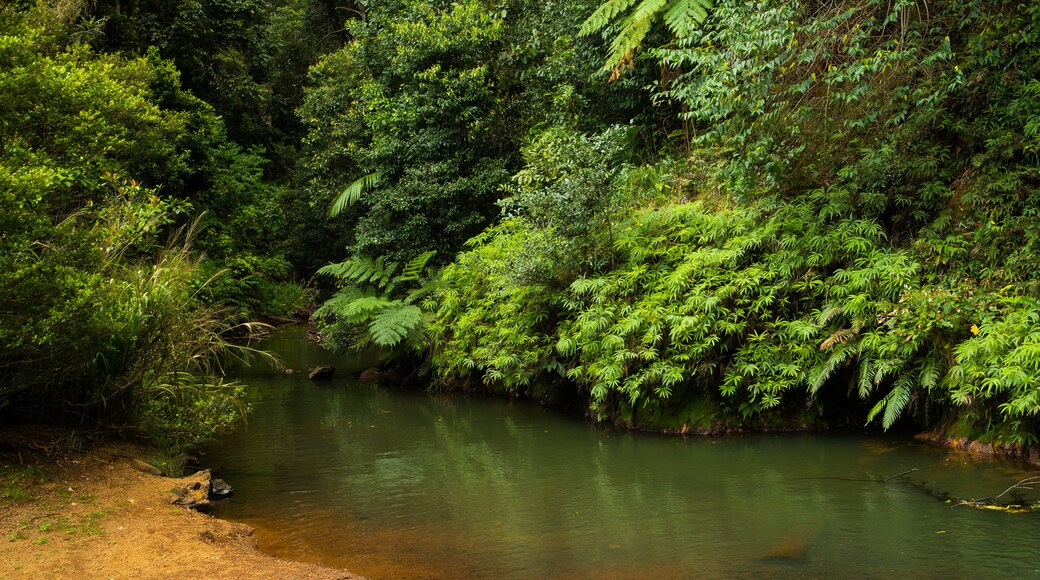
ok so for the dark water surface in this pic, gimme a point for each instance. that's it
(395, 484)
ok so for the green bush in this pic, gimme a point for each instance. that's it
(100, 323)
(856, 218)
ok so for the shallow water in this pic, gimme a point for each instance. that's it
(393, 484)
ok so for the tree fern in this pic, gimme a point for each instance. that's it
(375, 304)
(394, 323)
(361, 270)
(603, 15)
(678, 15)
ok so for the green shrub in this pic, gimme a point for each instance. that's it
(99, 322)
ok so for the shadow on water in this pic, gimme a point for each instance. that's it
(402, 484)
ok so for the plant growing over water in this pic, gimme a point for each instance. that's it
(377, 303)
(851, 230)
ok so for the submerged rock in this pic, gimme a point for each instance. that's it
(321, 373)
(219, 489)
(376, 375)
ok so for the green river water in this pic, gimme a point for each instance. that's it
(403, 484)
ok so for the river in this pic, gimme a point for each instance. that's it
(404, 484)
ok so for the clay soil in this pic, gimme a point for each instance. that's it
(89, 513)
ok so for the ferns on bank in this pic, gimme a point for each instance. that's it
(749, 306)
(727, 300)
(376, 302)
(491, 323)
(864, 226)
(1001, 365)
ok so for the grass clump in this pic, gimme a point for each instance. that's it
(17, 482)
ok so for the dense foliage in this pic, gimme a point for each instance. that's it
(100, 322)
(683, 214)
(847, 216)
(414, 127)
(245, 58)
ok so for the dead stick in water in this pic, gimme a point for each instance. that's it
(1024, 484)
(891, 477)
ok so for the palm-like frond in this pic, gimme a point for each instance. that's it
(353, 192)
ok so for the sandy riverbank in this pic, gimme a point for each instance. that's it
(90, 514)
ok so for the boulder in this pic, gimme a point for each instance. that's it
(321, 373)
(377, 375)
(219, 489)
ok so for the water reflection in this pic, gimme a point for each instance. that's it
(404, 484)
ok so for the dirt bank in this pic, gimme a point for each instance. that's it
(90, 514)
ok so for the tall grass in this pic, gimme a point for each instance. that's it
(152, 355)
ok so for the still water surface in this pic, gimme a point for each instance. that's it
(393, 484)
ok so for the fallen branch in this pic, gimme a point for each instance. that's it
(1018, 506)
(1024, 484)
(891, 477)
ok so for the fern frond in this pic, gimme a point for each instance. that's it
(928, 378)
(678, 15)
(867, 371)
(603, 15)
(414, 268)
(820, 375)
(682, 15)
(334, 305)
(353, 192)
(350, 270)
(360, 309)
(634, 29)
(894, 403)
(362, 270)
(839, 337)
(392, 325)
(829, 314)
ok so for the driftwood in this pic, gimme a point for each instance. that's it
(1017, 505)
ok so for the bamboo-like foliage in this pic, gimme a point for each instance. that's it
(490, 326)
(160, 374)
